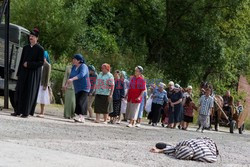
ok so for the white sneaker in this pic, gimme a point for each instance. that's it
(105, 122)
(130, 125)
(137, 125)
(80, 119)
(76, 117)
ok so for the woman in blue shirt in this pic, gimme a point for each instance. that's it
(159, 97)
(80, 77)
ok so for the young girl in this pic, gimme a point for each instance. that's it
(117, 98)
(189, 107)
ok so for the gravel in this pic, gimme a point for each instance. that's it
(51, 140)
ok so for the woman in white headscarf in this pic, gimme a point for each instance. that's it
(159, 97)
(124, 100)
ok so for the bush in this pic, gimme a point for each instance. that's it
(247, 124)
(57, 75)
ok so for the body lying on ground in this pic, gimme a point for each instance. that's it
(200, 149)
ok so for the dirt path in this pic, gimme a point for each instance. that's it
(54, 141)
(245, 87)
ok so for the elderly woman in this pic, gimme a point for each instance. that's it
(137, 86)
(175, 106)
(186, 93)
(165, 115)
(124, 100)
(80, 77)
(159, 97)
(104, 92)
(69, 96)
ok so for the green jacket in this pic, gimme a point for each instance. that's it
(66, 77)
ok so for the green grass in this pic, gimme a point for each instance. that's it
(247, 124)
(248, 77)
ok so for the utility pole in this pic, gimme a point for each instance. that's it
(6, 54)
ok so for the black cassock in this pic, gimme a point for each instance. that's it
(28, 79)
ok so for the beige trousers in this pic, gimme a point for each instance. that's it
(90, 109)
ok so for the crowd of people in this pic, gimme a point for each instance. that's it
(116, 97)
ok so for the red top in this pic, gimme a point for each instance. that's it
(136, 87)
(189, 109)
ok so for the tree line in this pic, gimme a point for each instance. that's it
(187, 41)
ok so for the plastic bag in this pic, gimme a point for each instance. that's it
(149, 104)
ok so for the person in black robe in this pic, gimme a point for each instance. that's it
(29, 75)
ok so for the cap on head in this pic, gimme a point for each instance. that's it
(177, 86)
(124, 74)
(189, 87)
(162, 85)
(171, 83)
(139, 68)
(79, 57)
(91, 68)
(35, 32)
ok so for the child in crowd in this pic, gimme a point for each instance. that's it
(142, 108)
(205, 107)
(117, 97)
(189, 107)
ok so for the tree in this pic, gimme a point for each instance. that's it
(59, 22)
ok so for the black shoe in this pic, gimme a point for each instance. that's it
(154, 124)
(179, 126)
(14, 114)
(24, 116)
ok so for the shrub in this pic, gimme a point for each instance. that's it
(57, 75)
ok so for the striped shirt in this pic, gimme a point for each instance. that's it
(206, 104)
(200, 149)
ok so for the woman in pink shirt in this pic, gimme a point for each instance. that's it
(137, 86)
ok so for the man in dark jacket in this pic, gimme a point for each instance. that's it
(29, 76)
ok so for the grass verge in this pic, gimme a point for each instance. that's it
(247, 124)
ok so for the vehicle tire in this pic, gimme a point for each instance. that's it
(12, 98)
(231, 126)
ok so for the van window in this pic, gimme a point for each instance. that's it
(24, 40)
(14, 34)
